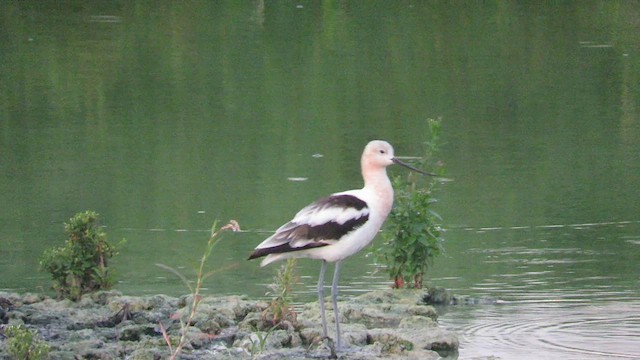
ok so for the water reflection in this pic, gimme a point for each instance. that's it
(165, 116)
(555, 301)
(550, 330)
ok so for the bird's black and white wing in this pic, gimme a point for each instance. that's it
(322, 223)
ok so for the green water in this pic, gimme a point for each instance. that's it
(164, 117)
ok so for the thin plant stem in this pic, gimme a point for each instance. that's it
(195, 291)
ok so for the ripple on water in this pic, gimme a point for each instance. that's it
(550, 330)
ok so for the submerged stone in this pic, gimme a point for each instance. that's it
(442, 297)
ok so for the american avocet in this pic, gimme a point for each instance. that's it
(338, 226)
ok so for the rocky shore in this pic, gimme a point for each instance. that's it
(109, 325)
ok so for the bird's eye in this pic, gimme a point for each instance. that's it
(382, 151)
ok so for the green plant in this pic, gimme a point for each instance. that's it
(280, 308)
(413, 234)
(80, 266)
(187, 319)
(24, 344)
(259, 343)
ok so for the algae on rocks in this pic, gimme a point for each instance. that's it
(378, 325)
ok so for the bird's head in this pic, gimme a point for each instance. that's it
(379, 154)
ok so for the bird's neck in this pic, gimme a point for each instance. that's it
(377, 182)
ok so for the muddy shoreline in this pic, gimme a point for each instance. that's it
(109, 325)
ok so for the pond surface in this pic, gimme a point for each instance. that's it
(164, 118)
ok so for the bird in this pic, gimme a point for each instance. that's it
(335, 227)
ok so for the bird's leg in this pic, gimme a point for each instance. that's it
(334, 298)
(321, 297)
